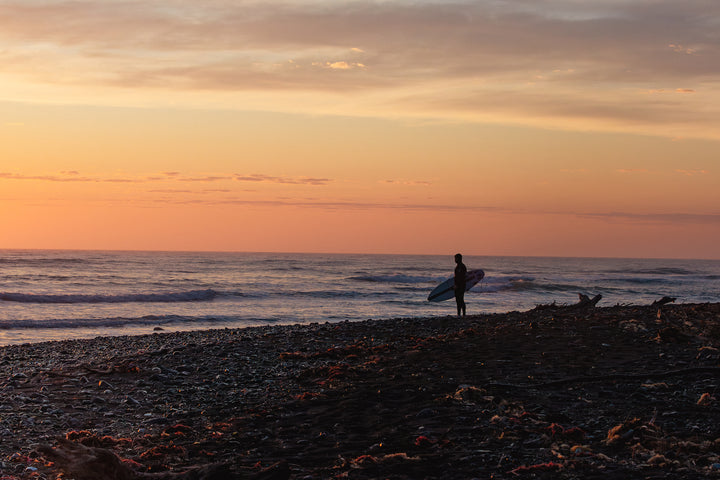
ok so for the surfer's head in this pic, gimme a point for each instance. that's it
(458, 258)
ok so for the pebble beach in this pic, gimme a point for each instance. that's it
(558, 392)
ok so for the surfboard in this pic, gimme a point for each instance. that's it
(446, 289)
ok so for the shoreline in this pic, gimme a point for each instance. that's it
(536, 393)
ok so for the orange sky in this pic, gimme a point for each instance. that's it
(496, 127)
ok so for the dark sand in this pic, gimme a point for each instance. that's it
(558, 392)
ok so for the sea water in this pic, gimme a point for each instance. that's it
(56, 295)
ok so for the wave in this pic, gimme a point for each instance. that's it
(74, 323)
(499, 284)
(332, 294)
(42, 262)
(189, 296)
(655, 271)
(117, 322)
(641, 281)
(529, 285)
(394, 279)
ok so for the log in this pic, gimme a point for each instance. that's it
(663, 301)
(586, 301)
(93, 463)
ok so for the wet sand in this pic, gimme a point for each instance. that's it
(558, 392)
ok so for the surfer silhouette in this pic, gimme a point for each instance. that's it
(460, 273)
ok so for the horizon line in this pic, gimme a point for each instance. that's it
(248, 252)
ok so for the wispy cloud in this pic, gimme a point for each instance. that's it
(259, 178)
(74, 176)
(337, 205)
(414, 183)
(556, 61)
(179, 191)
(204, 178)
(661, 218)
(679, 171)
(613, 217)
(67, 177)
(173, 191)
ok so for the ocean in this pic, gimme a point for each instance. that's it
(57, 295)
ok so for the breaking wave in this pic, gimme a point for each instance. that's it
(189, 296)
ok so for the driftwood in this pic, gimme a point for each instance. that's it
(586, 301)
(93, 463)
(663, 301)
(84, 462)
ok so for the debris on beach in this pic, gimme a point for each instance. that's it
(556, 392)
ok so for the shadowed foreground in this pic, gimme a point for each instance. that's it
(556, 392)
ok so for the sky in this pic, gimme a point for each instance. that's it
(487, 127)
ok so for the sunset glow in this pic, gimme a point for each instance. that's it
(498, 127)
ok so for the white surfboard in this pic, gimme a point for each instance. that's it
(446, 290)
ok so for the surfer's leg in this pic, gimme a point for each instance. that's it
(460, 300)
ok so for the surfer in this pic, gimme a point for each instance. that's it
(460, 272)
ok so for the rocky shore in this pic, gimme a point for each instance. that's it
(561, 392)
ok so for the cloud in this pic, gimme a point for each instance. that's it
(686, 172)
(341, 65)
(420, 183)
(546, 61)
(170, 190)
(395, 36)
(73, 176)
(682, 49)
(662, 91)
(337, 205)
(63, 177)
(661, 218)
(259, 178)
(206, 178)
(181, 191)
(624, 217)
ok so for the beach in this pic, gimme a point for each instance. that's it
(554, 392)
